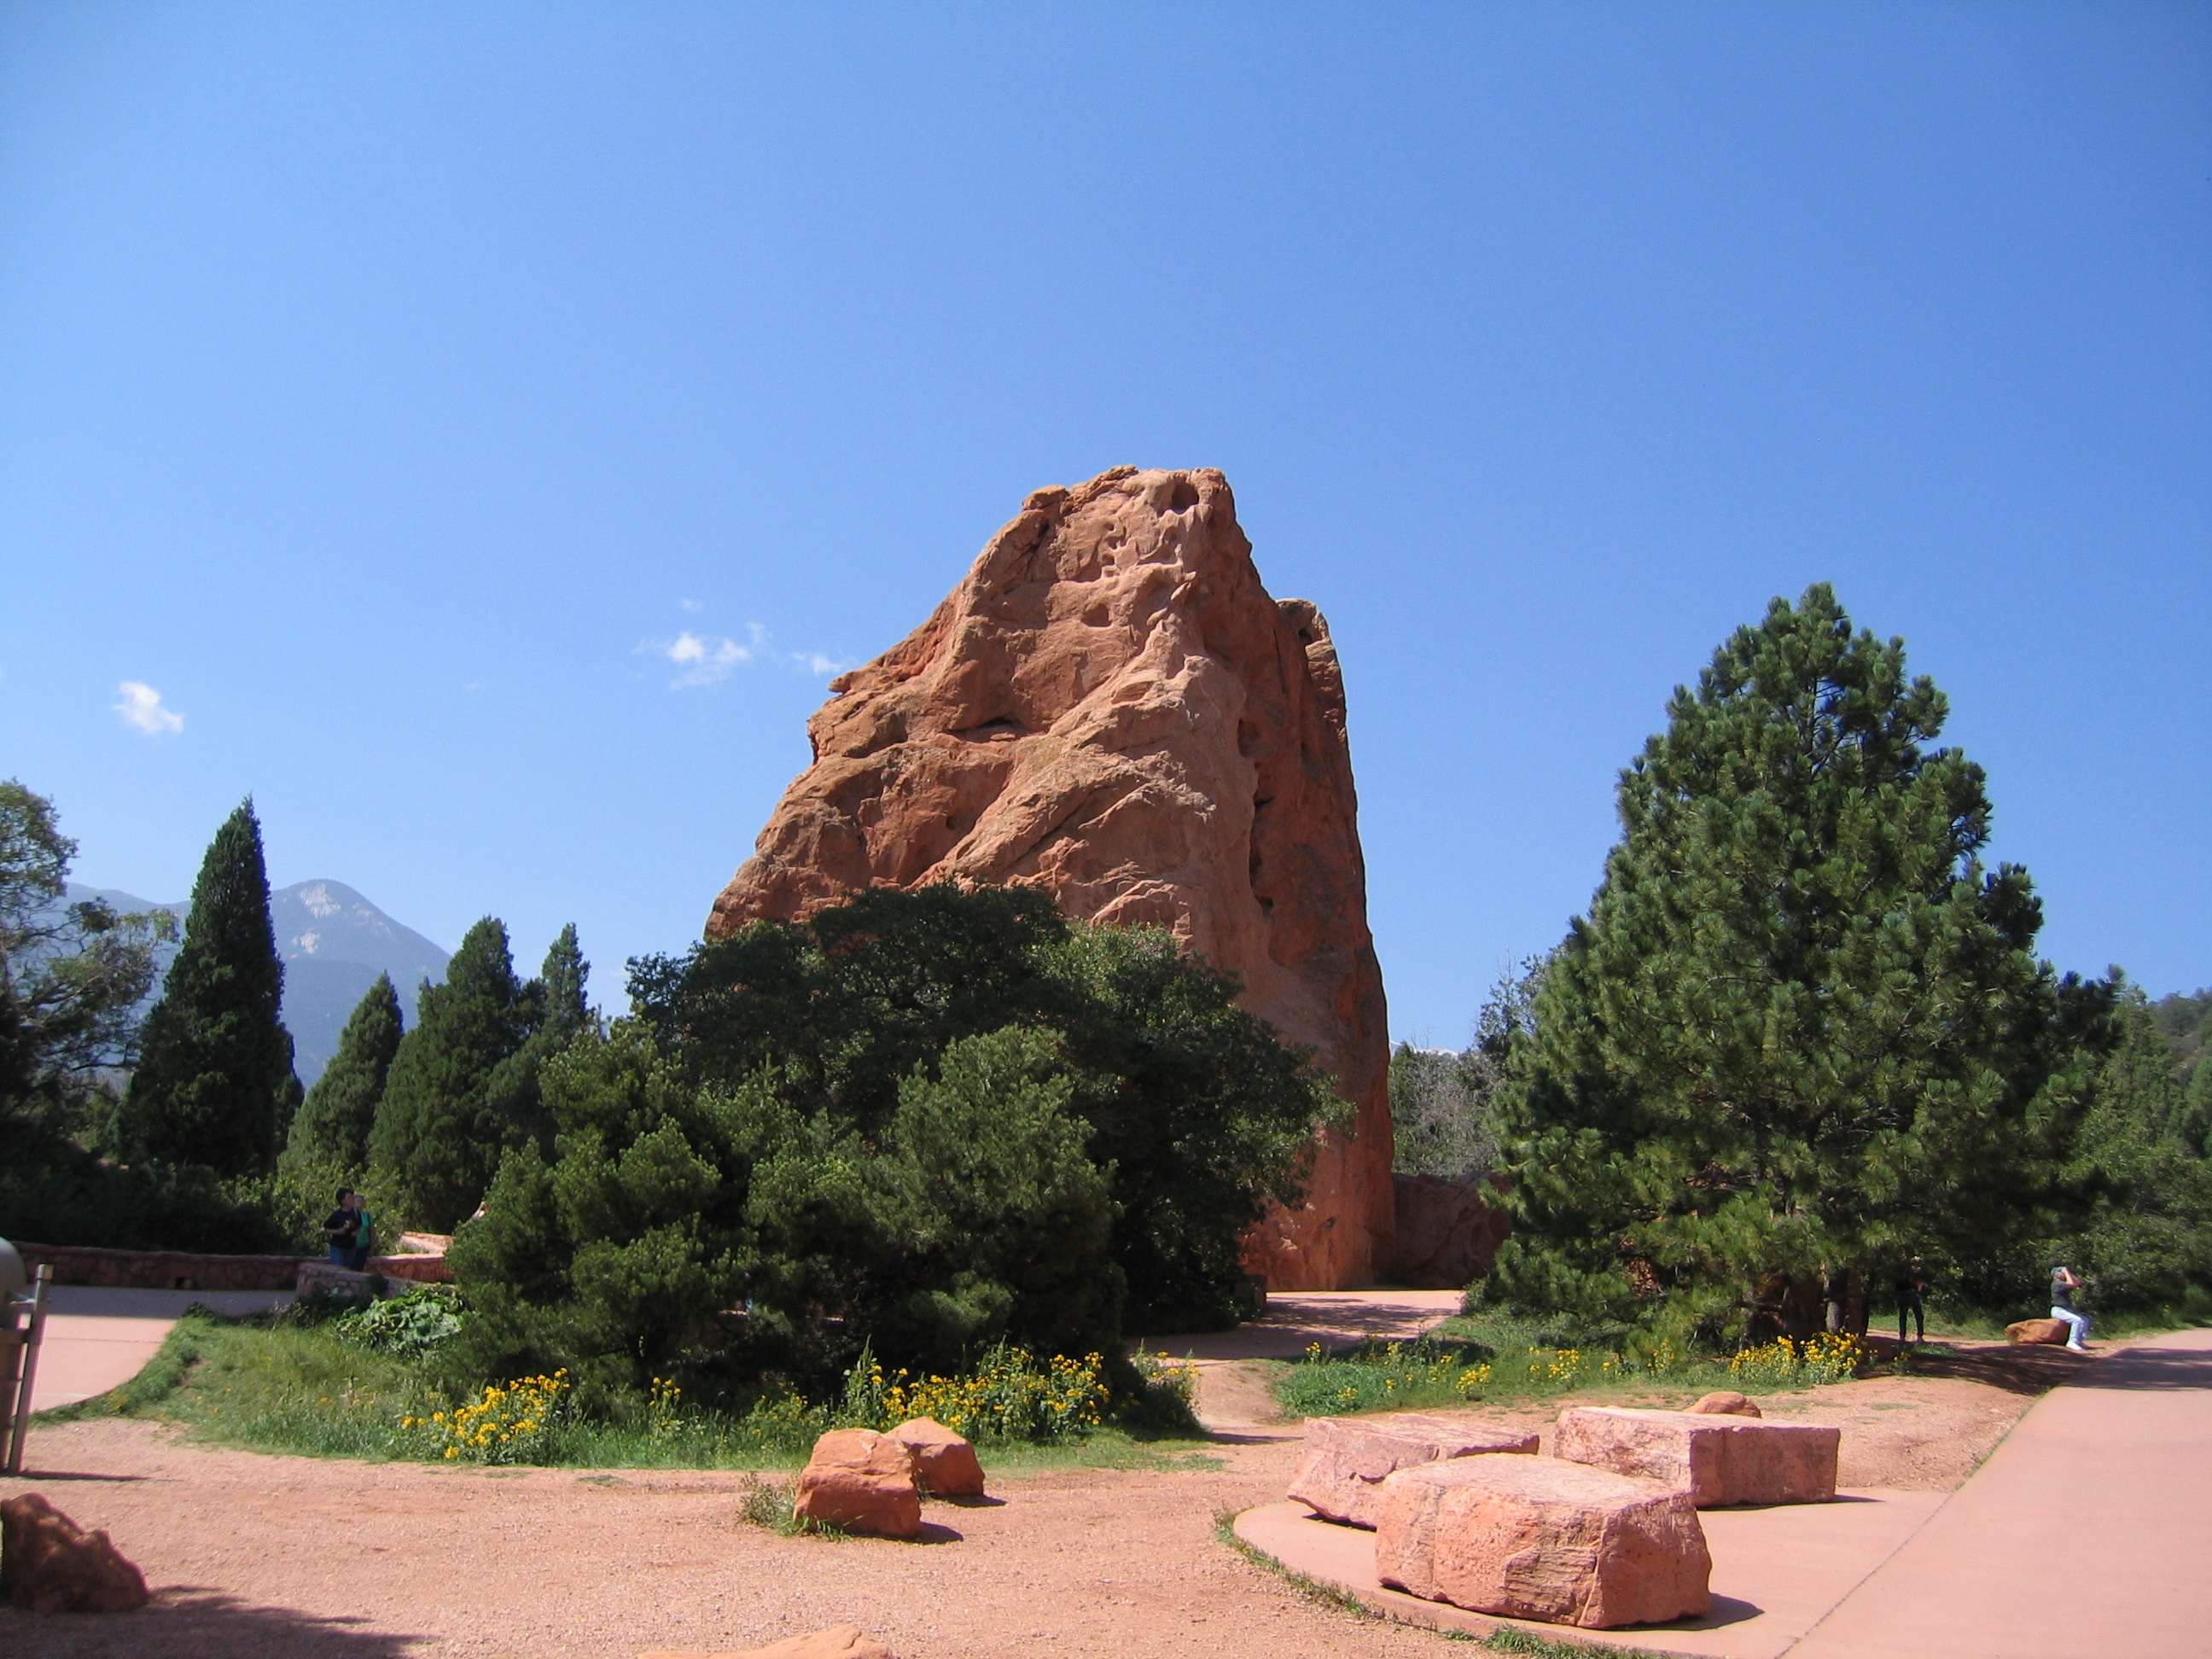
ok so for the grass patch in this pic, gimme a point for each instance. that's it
(1532, 1646)
(263, 1383)
(1496, 1358)
(1326, 1595)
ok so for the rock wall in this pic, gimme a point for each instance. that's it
(1111, 708)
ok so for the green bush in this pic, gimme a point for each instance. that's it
(928, 1124)
(410, 1325)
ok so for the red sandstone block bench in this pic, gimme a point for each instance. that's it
(1537, 1538)
(1717, 1460)
(1347, 1458)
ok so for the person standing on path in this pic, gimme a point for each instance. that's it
(341, 1226)
(2062, 1286)
(1912, 1287)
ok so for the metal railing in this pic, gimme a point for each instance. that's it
(19, 1349)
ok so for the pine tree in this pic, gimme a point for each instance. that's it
(1802, 1032)
(331, 1132)
(563, 977)
(553, 1011)
(440, 1129)
(2146, 1237)
(214, 1085)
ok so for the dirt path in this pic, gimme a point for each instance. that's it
(289, 1558)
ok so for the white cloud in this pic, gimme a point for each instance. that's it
(142, 707)
(689, 604)
(701, 662)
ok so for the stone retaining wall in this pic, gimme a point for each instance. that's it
(159, 1270)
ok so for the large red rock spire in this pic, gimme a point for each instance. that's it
(1111, 708)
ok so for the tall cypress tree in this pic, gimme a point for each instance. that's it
(1802, 1031)
(331, 1132)
(563, 977)
(440, 1126)
(213, 1083)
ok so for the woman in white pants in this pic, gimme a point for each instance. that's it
(2062, 1286)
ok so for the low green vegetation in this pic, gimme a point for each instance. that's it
(1499, 1359)
(377, 1384)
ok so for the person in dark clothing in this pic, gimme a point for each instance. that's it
(341, 1226)
(1912, 1287)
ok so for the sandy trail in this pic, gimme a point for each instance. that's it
(290, 1558)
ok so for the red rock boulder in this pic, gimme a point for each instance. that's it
(1718, 1459)
(1448, 1232)
(2051, 1333)
(1111, 708)
(838, 1642)
(1535, 1538)
(1723, 1402)
(1347, 1459)
(863, 1482)
(945, 1464)
(48, 1563)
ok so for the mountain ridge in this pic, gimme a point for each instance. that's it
(334, 942)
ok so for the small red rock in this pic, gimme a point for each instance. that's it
(48, 1563)
(2049, 1333)
(1723, 1402)
(945, 1464)
(863, 1482)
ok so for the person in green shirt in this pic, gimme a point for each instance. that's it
(364, 1238)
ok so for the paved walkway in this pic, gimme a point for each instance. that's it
(2089, 1531)
(2086, 1532)
(97, 1340)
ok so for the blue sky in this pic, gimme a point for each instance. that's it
(387, 388)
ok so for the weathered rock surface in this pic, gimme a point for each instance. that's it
(1723, 1402)
(862, 1481)
(2052, 1333)
(1535, 1538)
(1448, 1232)
(48, 1563)
(1348, 1458)
(838, 1642)
(1111, 708)
(945, 1463)
(1717, 1459)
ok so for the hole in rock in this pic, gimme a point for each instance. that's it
(1184, 497)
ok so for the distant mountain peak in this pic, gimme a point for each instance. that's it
(334, 942)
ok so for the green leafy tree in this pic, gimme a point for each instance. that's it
(928, 1121)
(213, 1083)
(441, 1123)
(330, 1135)
(71, 979)
(2146, 1237)
(1802, 1032)
(1195, 1106)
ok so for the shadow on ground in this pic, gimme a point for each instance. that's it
(2021, 1369)
(189, 1623)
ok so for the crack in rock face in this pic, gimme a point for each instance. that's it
(1112, 709)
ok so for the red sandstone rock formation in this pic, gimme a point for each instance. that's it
(945, 1463)
(1111, 708)
(862, 1481)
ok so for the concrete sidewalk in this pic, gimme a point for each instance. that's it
(2087, 1531)
(98, 1339)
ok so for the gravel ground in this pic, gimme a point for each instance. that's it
(290, 1558)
